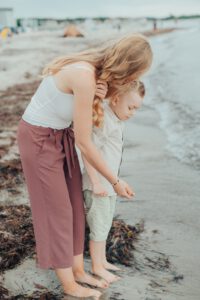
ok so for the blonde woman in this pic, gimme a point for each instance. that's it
(47, 149)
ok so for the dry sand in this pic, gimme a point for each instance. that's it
(167, 198)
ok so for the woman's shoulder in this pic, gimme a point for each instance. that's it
(80, 65)
(78, 75)
(83, 76)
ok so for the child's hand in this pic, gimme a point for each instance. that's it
(101, 89)
(124, 190)
(99, 190)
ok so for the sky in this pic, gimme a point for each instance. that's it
(95, 8)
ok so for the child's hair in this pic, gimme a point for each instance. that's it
(117, 63)
(138, 86)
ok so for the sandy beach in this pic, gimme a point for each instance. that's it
(166, 264)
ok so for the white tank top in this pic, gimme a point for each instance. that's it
(50, 107)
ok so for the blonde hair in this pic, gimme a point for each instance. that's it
(137, 86)
(121, 60)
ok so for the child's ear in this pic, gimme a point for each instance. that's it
(115, 100)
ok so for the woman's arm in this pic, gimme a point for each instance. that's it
(83, 85)
(92, 173)
(97, 187)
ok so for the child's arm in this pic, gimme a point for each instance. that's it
(97, 187)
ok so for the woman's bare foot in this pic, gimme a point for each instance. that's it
(106, 275)
(110, 266)
(83, 277)
(76, 290)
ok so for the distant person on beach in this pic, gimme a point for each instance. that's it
(99, 194)
(154, 24)
(72, 91)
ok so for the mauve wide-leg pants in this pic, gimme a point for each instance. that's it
(53, 177)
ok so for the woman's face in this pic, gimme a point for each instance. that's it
(125, 106)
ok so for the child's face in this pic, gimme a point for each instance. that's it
(125, 106)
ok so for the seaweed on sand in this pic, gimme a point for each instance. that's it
(16, 235)
(11, 175)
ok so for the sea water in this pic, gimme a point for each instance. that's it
(173, 89)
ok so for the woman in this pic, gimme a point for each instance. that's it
(48, 155)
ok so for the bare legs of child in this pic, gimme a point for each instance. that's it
(106, 264)
(97, 253)
(71, 277)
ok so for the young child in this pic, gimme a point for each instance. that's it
(100, 197)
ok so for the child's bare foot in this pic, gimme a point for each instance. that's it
(83, 277)
(110, 266)
(77, 290)
(103, 273)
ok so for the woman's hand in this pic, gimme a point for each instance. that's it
(123, 189)
(101, 89)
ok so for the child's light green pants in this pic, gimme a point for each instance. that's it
(99, 214)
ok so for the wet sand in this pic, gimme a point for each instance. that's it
(167, 199)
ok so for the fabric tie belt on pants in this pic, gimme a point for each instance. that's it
(68, 145)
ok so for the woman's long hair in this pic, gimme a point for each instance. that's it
(119, 62)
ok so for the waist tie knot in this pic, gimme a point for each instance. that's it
(69, 148)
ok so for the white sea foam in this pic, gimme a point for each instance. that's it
(174, 90)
